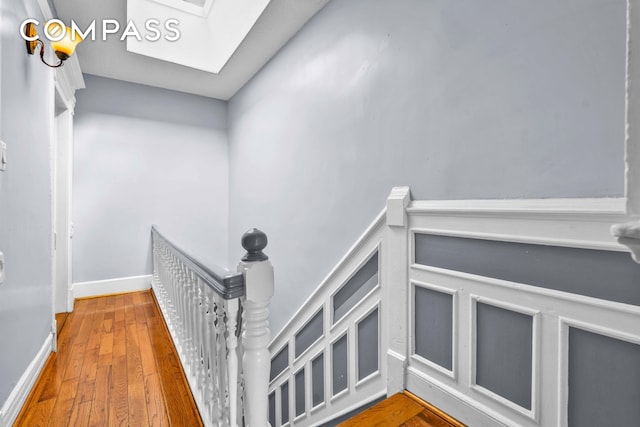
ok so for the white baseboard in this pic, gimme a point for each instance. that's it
(20, 392)
(111, 286)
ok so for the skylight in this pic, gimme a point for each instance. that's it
(195, 7)
(210, 31)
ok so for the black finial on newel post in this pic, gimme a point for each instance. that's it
(254, 241)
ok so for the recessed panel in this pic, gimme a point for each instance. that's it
(433, 324)
(272, 408)
(299, 381)
(607, 275)
(604, 380)
(317, 380)
(284, 403)
(310, 332)
(279, 362)
(340, 365)
(368, 357)
(352, 292)
(504, 353)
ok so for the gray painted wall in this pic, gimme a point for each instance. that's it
(459, 100)
(146, 156)
(25, 199)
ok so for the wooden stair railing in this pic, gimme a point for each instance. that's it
(206, 311)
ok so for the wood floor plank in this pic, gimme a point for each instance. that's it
(80, 414)
(64, 403)
(119, 408)
(99, 415)
(109, 370)
(38, 416)
(36, 391)
(89, 366)
(402, 410)
(155, 407)
(135, 379)
(86, 391)
(181, 408)
(395, 410)
(74, 367)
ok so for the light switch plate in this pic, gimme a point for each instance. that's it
(3, 156)
(1, 268)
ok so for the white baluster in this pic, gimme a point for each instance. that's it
(201, 312)
(231, 308)
(188, 321)
(220, 364)
(207, 360)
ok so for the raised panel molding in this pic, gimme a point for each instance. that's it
(580, 223)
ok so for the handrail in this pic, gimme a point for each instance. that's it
(227, 285)
(219, 324)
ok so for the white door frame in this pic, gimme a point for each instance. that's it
(66, 83)
(62, 166)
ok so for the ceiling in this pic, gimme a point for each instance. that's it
(276, 25)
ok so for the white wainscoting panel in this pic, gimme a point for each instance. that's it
(357, 392)
(574, 224)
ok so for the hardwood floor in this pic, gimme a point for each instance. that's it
(115, 366)
(402, 410)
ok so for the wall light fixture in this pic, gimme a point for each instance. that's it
(63, 41)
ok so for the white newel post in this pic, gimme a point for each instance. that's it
(256, 360)
(397, 288)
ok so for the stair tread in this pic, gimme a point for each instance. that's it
(402, 410)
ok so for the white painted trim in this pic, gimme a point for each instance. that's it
(344, 334)
(111, 286)
(370, 398)
(336, 323)
(359, 383)
(535, 315)
(20, 392)
(413, 356)
(293, 402)
(549, 306)
(612, 206)
(313, 344)
(397, 203)
(452, 401)
(313, 409)
(68, 78)
(563, 356)
(312, 303)
(424, 273)
(580, 225)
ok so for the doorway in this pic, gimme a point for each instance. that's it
(62, 161)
